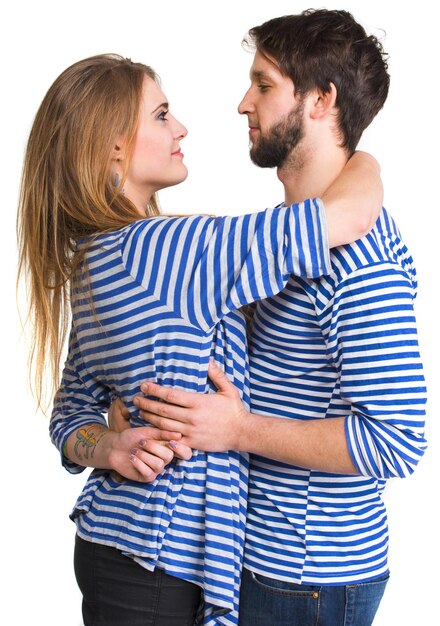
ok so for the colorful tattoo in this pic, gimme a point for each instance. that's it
(87, 439)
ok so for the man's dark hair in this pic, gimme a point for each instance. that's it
(319, 47)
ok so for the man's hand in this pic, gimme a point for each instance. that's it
(210, 422)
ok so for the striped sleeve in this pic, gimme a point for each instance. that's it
(205, 267)
(372, 341)
(79, 402)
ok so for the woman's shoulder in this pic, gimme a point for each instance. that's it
(147, 232)
(110, 239)
(154, 245)
(159, 229)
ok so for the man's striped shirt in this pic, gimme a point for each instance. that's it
(341, 345)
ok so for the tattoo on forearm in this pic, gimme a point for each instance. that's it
(86, 442)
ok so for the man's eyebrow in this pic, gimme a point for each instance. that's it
(259, 75)
(163, 105)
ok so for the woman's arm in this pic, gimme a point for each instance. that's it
(136, 453)
(353, 202)
(79, 429)
(233, 261)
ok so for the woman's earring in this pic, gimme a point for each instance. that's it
(116, 180)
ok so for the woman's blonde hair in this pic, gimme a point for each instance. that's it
(67, 192)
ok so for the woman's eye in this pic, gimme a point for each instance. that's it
(163, 115)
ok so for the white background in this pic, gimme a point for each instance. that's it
(195, 47)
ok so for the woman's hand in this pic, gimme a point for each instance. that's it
(211, 422)
(118, 416)
(143, 453)
(147, 462)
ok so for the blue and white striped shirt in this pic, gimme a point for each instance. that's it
(164, 299)
(340, 345)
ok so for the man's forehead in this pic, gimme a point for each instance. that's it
(263, 66)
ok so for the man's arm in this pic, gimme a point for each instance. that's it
(371, 342)
(219, 422)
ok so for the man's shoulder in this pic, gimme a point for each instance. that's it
(382, 245)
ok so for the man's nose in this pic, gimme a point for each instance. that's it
(245, 105)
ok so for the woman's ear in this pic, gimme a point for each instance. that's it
(323, 102)
(118, 153)
(117, 156)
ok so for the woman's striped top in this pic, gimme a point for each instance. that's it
(164, 299)
(341, 345)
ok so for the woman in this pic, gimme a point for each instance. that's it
(151, 297)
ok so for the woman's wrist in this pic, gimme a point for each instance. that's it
(91, 446)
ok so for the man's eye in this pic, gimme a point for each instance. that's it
(263, 88)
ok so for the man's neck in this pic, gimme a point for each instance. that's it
(312, 177)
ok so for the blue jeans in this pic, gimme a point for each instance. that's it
(266, 602)
(117, 591)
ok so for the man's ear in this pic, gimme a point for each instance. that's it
(323, 102)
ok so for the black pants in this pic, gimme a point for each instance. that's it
(117, 591)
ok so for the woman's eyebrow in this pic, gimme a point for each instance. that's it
(163, 105)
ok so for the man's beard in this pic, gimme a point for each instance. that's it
(275, 148)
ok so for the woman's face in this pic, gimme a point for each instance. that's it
(156, 161)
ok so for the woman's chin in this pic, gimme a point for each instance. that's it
(183, 175)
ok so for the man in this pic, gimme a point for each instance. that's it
(336, 356)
